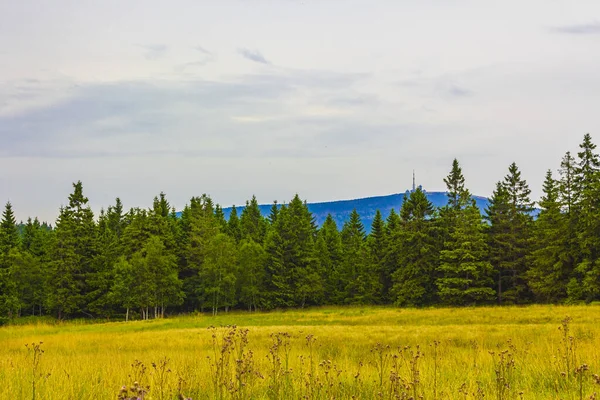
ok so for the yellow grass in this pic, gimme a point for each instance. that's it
(93, 361)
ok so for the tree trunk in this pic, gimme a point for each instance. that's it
(127, 315)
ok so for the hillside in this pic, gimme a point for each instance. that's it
(366, 207)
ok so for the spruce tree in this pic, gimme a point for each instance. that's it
(292, 270)
(417, 253)
(377, 248)
(199, 225)
(464, 273)
(220, 219)
(9, 243)
(329, 253)
(510, 233)
(252, 223)
(9, 234)
(550, 264)
(360, 281)
(274, 211)
(586, 282)
(233, 225)
(73, 255)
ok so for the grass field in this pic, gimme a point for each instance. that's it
(366, 353)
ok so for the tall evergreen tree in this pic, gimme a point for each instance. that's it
(586, 282)
(292, 269)
(73, 254)
(550, 264)
(233, 225)
(418, 253)
(377, 249)
(360, 281)
(200, 226)
(252, 223)
(464, 273)
(510, 233)
(329, 253)
(9, 243)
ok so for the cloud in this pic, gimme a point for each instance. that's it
(190, 118)
(253, 55)
(154, 51)
(592, 28)
(457, 91)
(203, 50)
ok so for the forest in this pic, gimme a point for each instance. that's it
(146, 263)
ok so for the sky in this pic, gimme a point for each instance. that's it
(329, 99)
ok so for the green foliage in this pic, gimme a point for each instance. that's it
(550, 264)
(143, 261)
(416, 252)
(510, 236)
(587, 214)
(252, 223)
(464, 273)
(218, 273)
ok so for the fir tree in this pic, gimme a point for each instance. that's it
(510, 232)
(586, 282)
(252, 223)
(417, 253)
(464, 272)
(360, 282)
(550, 263)
(73, 255)
(377, 248)
(292, 269)
(233, 225)
(329, 252)
(9, 243)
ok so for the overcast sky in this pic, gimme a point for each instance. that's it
(328, 99)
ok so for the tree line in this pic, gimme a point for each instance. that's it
(144, 261)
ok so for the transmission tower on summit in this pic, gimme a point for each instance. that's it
(414, 187)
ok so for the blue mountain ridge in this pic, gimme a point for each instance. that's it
(366, 207)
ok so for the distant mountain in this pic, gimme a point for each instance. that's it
(340, 210)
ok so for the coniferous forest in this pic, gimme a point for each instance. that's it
(144, 263)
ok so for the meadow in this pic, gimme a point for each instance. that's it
(535, 352)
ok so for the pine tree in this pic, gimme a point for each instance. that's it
(458, 195)
(274, 211)
(292, 269)
(417, 253)
(220, 219)
(252, 223)
(199, 225)
(464, 274)
(360, 282)
(550, 264)
(586, 282)
(9, 243)
(510, 232)
(377, 249)
(233, 225)
(9, 234)
(329, 252)
(73, 254)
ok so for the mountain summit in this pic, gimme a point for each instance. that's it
(340, 209)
